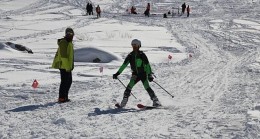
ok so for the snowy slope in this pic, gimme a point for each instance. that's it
(214, 72)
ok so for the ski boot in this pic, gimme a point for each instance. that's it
(156, 102)
(125, 98)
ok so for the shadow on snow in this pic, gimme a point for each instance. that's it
(31, 107)
(98, 111)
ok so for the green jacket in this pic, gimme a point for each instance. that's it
(139, 63)
(64, 58)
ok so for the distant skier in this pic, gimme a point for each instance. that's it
(98, 10)
(141, 71)
(183, 7)
(164, 15)
(188, 11)
(87, 9)
(133, 10)
(147, 11)
(64, 61)
(169, 12)
(91, 9)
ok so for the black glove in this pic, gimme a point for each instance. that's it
(115, 75)
(150, 78)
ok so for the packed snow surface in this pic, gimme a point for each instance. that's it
(209, 62)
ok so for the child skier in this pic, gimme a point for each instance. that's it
(141, 70)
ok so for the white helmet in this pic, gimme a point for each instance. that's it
(136, 42)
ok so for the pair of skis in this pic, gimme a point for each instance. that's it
(140, 106)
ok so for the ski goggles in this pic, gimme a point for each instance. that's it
(69, 34)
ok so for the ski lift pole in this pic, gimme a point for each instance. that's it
(125, 87)
(164, 89)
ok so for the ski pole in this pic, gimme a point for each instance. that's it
(164, 89)
(125, 87)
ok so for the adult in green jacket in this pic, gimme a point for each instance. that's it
(141, 71)
(64, 61)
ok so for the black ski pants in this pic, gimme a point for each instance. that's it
(66, 81)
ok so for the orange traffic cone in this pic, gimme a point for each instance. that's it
(35, 84)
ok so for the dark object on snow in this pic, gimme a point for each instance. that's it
(164, 15)
(96, 60)
(147, 11)
(133, 10)
(19, 47)
(98, 10)
(188, 11)
(89, 9)
(183, 7)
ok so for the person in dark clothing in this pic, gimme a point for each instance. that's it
(133, 10)
(164, 15)
(188, 11)
(91, 9)
(147, 11)
(183, 7)
(141, 71)
(88, 8)
(169, 12)
(64, 61)
(98, 10)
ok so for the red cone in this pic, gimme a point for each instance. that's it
(169, 57)
(35, 84)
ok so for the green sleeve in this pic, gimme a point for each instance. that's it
(63, 48)
(147, 67)
(124, 65)
(70, 56)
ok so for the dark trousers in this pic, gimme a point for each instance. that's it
(66, 81)
(147, 13)
(98, 15)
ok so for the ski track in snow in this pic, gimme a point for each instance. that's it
(213, 90)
